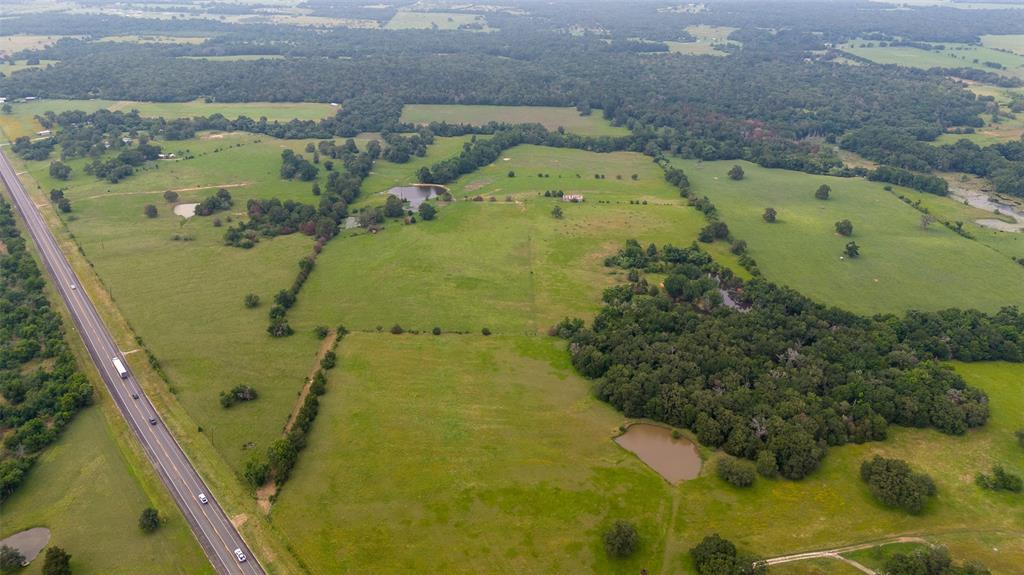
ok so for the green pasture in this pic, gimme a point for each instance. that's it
(1011, 42)
(11, 67)
(236, 57)
(387, 175)
(551, 117)
(405, 20)
(706, 39)
(90, 498)
(953, 56)
(901, 266)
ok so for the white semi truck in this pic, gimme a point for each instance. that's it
(120, 368)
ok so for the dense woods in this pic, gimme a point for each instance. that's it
(41, 387)
(778, 378)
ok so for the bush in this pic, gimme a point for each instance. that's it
(427, 211)
(823, 192)
(844, 228)
(236, 394)
(486, 331)
(736, 172)
(621, 540)
(279, 328)
(10, 559)
(252, 300)
(329, 361)
(1000, 480)
(257, 471)
(57, 562)
(436, 331)
(321, 331)
(149, 521)
(767, 465)
(770, 215)
(735, 472)
(893, 483)
(717, 556)
(933, 560)
(397, 329)
(149, 210)
(171, 196)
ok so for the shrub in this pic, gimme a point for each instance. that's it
(149, 521)
(149, 210)
(397, 329)
(257, 471)
(770, 215)
(329, 361)
(717, 556)
(851, 250)
(236, 394)
(736, 172)
(427, 211)
(767, 465)
(844, 228)
(279, 328)
(10, 559)
(931, 560)
(321, 331)
(57, 562)
(486, 331)
(621, 540)
(735, 472)
(738, 247)
(1000, 480)
(823, 192)
(170, 196)
(893, 483)
(436, 331)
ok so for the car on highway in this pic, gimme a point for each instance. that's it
(240, 555)
(203, 499)
(72, 286)
(135, 395)
(152, 420)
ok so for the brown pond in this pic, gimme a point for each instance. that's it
(674, 459)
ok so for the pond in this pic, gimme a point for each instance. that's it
(417, 194)
(674, 459)
(185, 210)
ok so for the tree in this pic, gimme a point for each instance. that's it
(511, 173)
(735, 472)
(285, 298)
(149, 521)
(767, 466)
(556, 212)
(64, 205)
(851, 250)
(844, 228)
(316, 189)
(486, 331)
(257, 471)
(1000, 480)
(170, 196)
(149, 210)
(252, 300)
(436, 331)
(715, 555)
(427, 211)
(622, 539)
(59, 170)
(57, 562)
(394, 207)
(769, 215)
(823, 192)
(7, 109)
(926, 220)
(736, 172)
(893, 483)
(10, 559)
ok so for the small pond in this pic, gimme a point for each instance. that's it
(185, 210)
(674, 459)
(417, 194)
(30, 541)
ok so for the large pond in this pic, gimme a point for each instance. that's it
(674, 459)
(417, 194)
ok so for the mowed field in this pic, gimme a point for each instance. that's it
(405, 20)
(706, 39)
(90, 498)
(901, 265)
(954, 56)
(22, 122)
(551, 117)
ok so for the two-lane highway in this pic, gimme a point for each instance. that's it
(210, 525)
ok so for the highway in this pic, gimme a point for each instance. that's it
(210, 525)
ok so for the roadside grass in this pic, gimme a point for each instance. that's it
(900, 267)
(953, 56)
(405, 20)
(88, 495)
(551, 117)
(22, 122)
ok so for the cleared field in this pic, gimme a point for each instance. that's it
(706, 38)
(236, 58)
(18, 42)
(155, 39)
(403, 20)
(551, 117)
(900, 264)
(184, 298)
(19, 65)
(89, 497)
(953, 56)
(1011, 42)
(22, 122)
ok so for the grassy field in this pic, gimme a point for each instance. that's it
(386, 175)
(404, 20)
(155, 39)
(1011, 42)
(900, 264)
(551, 117)
(84, 491)
(706, 37)
(236, 58)
(22, 122)
(18, 42)
(954, 56)
(875, 557)
(185, 297)
(20, 65)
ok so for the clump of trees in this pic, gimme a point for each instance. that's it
(427, 211)
(776, 377)
(715, 555)
(38, 402)
(59, 170)
(621, 539)
(934, 560)
(295, 166)
(844, 227)
(57, 197)
(237, 394)
(894, 483)
(1000, 480)
(149, 520)
(56, 562)
(218, 202)
(735, 472)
